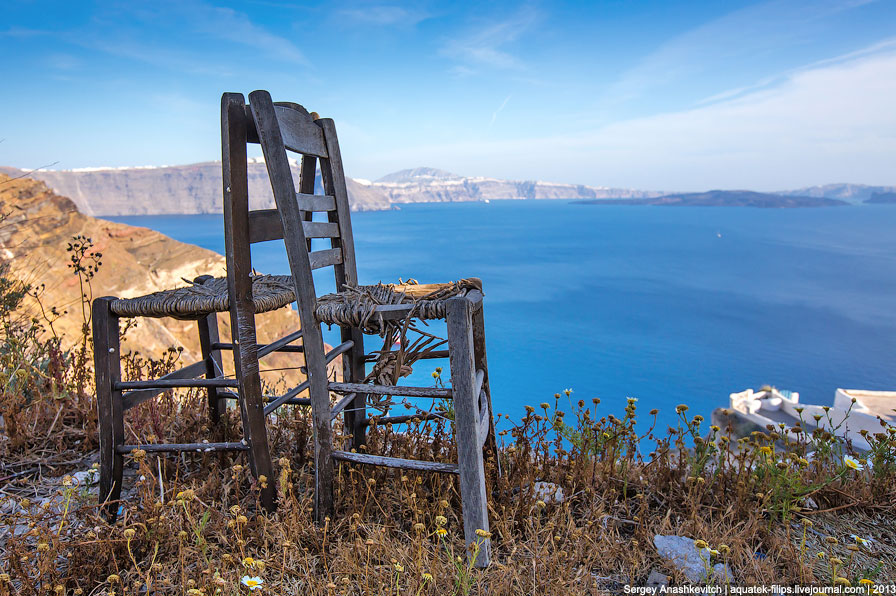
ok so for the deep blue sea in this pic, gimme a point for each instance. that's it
(667, 304)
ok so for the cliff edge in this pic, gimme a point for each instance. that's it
(34, 239)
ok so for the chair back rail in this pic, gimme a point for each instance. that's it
(270, 125)
(235, 128)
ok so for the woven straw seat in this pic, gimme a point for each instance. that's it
(269, 292)
(356, 306)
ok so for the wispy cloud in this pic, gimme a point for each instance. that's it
(230, 25)
(144, 32)
(498, 111)
(824, 123)
(488, 45)
(769, 82)
(731, 42)
(22, 32)
(384, 14)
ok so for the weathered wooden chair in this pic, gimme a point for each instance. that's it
(243, 295)
(359, 310)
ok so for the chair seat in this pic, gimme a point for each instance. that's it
(269, 292)
(357, 306)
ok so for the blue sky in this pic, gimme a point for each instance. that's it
(642, 94)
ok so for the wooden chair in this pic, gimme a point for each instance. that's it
(282, 127)
(243, 295)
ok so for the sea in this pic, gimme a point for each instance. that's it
(668, 305)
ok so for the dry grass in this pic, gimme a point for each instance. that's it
(191, 524)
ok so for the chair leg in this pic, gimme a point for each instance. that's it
(480, 362)
(353, 372)
(466, 425)
(321, 431)
(107, 364)
(255, 431)
(252, 412)
(208, 335)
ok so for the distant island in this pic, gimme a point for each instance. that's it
(882, 198)
(724, 198)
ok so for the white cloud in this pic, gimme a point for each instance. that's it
(230, 25)
(498, 111)
(742, 37)
(384, 14)
(487, 44)
(143, 32)
(828, 123)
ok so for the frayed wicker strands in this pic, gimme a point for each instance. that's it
(269, 292)
(356, 306)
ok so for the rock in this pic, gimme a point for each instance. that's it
(734, 424)
(686, 557)
(86, 477)
(657, 579)
(548, 492)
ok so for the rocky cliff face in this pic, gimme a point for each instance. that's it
(190, 189)
(430, 185)
(196, 188)
(135, 261)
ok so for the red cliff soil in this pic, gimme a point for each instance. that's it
(34, 238)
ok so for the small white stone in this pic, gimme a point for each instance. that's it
(548, 492)
(692, 562)
(86, 477)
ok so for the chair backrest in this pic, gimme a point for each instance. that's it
(286, 127)
(282, 127)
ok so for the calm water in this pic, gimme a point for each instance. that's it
(666, 304)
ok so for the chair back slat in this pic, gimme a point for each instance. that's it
(265, 225)
(316, 202)
(324, 258)
(299, 132)
(278, 125)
